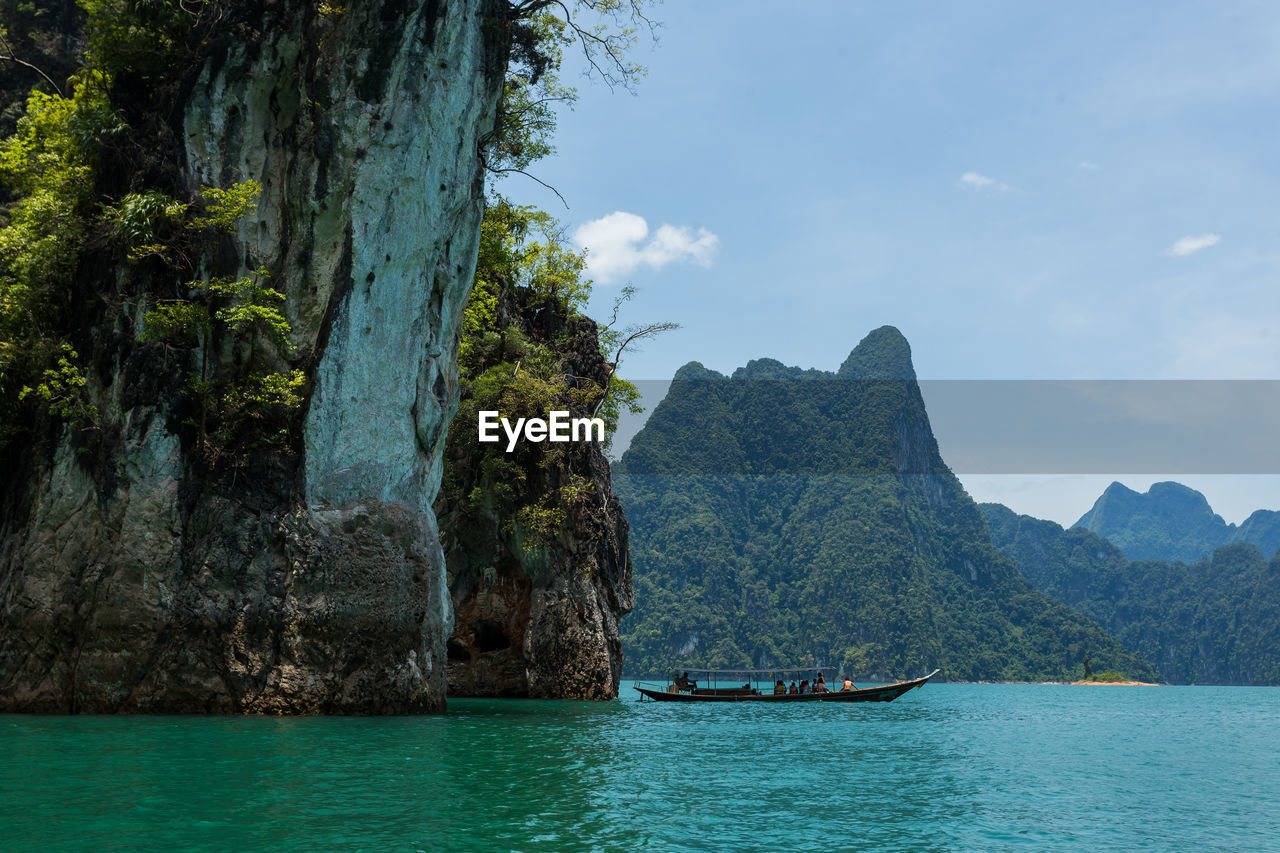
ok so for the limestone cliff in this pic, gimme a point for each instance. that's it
(133, 577)
(536, 615)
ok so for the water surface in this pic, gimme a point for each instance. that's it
(948, 767)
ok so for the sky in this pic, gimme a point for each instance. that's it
(1081, 191)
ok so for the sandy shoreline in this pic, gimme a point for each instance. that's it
(1114, 684)
(1066, 683)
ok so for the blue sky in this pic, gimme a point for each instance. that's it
(1066, 191)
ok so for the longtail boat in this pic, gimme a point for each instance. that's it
(757, 685)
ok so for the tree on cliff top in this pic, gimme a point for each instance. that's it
(540, 30)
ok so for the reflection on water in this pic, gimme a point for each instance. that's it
(950, 767)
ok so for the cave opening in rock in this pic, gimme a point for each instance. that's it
(489, 636)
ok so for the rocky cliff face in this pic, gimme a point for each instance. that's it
(131, 579)
(537, 616)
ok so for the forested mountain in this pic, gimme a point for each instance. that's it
(1173, 522)
(1214, 621)
(784, 517)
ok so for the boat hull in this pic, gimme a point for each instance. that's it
(880, 693)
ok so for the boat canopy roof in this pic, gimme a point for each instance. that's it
(757, 673)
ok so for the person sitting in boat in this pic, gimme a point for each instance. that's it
(793, 690)
(820, 686)
(780, 688)
(804, 686)
(683, 682)
(848, 685)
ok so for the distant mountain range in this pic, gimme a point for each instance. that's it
(1173, 522)
(1215, 620)
(785, 517)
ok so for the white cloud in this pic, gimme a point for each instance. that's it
(1088, 166)
(1189, 245)
(619, 243)
(973, 180)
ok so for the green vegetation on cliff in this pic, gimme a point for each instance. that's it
(88, 185)
(85, 196)
(1213, 621)
(49, 165)
(1173, 522)
(793, 517)
(522, 354)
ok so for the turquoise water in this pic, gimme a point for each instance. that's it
(948, 767)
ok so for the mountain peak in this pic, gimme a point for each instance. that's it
(1165, 498)
(1117, 489)
(771, 368)
(1168, 490)
(1168, 522)
(882, 354)
(765, 368)
(695, 371)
